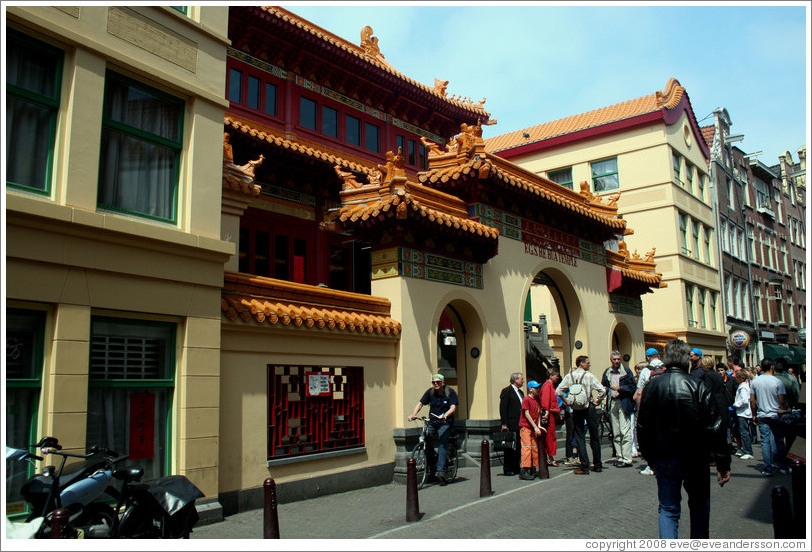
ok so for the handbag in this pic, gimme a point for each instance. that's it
(504, 440)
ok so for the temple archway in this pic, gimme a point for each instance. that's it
(459, 346)
(622, 341)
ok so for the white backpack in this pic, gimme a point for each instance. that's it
(577, 397)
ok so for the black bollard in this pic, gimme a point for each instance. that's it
(412, 506)
(270, 522)
(485, 470)
(782, 513)
(544, 472)
(59, 524)
(799, 500)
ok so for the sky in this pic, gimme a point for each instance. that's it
(537, 62)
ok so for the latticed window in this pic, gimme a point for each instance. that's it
(313, 409)
(132, 370)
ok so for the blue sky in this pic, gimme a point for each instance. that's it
(535, 63)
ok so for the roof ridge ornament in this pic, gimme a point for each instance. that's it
(370, 43)
(440, 86)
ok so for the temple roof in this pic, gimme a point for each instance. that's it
(283, 303)
(633, 267)
(658, 104)
(368, 52)
(276, 137)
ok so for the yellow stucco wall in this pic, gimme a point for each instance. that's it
(75, 261)
(650, 201)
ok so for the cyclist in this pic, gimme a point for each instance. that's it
(442, 403)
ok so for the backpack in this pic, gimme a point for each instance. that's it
(577, 397)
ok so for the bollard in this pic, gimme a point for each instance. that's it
(782, 513)
(485, 470)
(270, 522)
(799, 500)
(544, 473)
(59, 524)
(412, 507)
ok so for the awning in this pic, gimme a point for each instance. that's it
(799, 354)
(776, 350)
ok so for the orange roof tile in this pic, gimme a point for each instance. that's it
(707, 134)
(485, 165)
(377, 61)
(288, 303)
(275, 137)
(660, 100)
(634, 267)
(407, 202)
(237, 180)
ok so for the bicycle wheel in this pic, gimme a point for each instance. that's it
(452, 461)
(420, 464)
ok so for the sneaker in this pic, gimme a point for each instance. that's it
(647, 471)
(767, 473)
(783, 471)
(572, 462)
(746, 456)
(739, 453)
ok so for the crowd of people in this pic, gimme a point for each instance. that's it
(724, 408)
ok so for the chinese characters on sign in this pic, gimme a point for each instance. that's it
(142, 426)
(318, 384)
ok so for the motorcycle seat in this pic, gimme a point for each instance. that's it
(129, 475)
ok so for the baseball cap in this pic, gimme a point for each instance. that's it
(437, 377)
(696, 351)
(651, 351)
(532, 384)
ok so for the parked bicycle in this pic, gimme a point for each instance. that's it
(423, 462)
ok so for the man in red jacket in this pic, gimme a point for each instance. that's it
(549, 412)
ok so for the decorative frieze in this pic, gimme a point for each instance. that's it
(412, 263)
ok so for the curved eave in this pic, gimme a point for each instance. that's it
(275, 14)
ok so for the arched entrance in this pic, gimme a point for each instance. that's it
(622, 342)
(552, 318)
(459, 345)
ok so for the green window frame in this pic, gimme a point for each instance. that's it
(677, 167)
(700, 182)
(131, 358)
(605, 175)
(182, 9)
(683, 229)
(689, 176)
(689, 302)
(25, 346)
(139, 168)
(33, 90)
(695, 230)
(707, 237)
(562, 177)
(702, 321)
(712, 301)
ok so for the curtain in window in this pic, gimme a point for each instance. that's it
(28, 143)
(20, 407)
(137, 108)
(108, 425)
(137, 176)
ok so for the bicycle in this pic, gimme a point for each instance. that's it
(420, 456)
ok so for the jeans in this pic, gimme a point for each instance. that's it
(443, 432)
(773, 451)
(695, 478)
(744, 434)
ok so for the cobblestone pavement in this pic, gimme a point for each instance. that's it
(618, 503)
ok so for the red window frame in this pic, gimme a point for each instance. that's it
(246, 70)
(300, 268)
(300, 424)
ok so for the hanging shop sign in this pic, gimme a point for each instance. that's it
(740, 339)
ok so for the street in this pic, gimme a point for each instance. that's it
(617, 503)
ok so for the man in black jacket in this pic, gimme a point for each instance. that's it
(679, 428)
(510, 410)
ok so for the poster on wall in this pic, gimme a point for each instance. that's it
(318, 384)
(142, 426)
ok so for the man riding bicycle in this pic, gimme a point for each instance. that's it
(442, 403)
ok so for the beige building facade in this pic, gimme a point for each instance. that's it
(651, 151)
(114, 259)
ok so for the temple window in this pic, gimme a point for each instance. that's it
(329, 121)
(307, 113)
(277, 249)
(234, 85)
(605, 175)
(252, 98)
(33, 78)
(372, 137)
(142, 131)
(353, 130)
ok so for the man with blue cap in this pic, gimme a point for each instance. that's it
(695, 355)
(530, 431)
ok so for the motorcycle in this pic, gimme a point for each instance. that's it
(164, 508)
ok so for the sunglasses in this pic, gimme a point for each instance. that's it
(438, 382)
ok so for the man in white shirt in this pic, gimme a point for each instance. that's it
(767, 401)
(581, 375)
